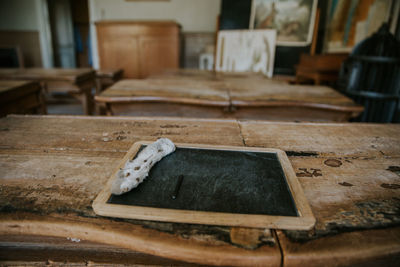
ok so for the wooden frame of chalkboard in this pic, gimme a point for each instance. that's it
(304, 220)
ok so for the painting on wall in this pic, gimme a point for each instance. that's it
(350, 22)
(246, 51)
(293, 20)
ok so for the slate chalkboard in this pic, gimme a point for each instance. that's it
(222, 185)
(215, 180)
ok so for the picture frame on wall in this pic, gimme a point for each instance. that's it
(293, 20)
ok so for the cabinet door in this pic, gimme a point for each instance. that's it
(120, 53)
(157, 54)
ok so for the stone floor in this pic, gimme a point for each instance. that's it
(63, 105)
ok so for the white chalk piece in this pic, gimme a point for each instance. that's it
(135, 171)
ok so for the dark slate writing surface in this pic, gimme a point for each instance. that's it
(215, 180)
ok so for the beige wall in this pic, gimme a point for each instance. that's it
(193, 15)
(18, 15)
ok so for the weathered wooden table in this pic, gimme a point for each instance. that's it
(76, 82)
(52, 168)
(156, 97)
(223, 95)
(21, 97)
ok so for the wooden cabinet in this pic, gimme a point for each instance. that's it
(139, 48)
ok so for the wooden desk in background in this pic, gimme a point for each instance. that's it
(167, 97)
(54, 166)
(319, 69)
(21, 97)
(76, 82)
(140, 48)
(226, 96)
(106, 78)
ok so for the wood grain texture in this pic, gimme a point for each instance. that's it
(248, 96)
(60, 169)
(140, 48)
(267, 92)
(30, 250)
(348, 172)
(379, 247)
(341, 167)
(186, 108)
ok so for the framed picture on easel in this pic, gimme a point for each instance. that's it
(293, 20)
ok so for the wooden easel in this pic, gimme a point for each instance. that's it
(318, 68)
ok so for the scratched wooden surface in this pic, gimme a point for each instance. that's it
(77, 82)
(257, 91)
(349, 173)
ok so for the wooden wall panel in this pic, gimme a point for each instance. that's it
(157, 54)
(139, 48)
(120, 53)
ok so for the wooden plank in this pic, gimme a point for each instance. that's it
(56, 173)
(15, 249)
(328, 139)
(195, 248)
(380, 247)
(272, 92)
(246, 95)
(153, 46)
(344, 170)
(167, 109)
(53, 167)
(174, 91)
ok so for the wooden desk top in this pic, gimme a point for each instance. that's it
(349, 173)
(267, 92)
(54, 74)
(167, 90)
(240, 90)
(11, 89)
